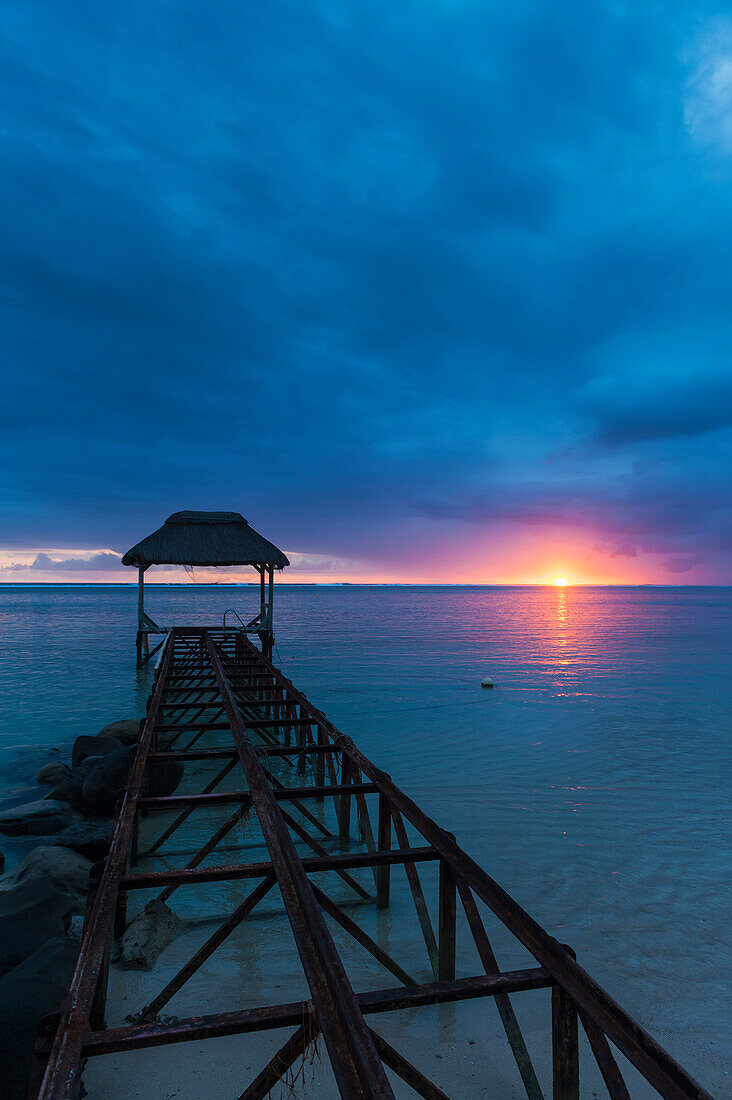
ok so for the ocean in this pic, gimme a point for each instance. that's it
(593, 781)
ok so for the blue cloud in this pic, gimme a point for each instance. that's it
(340, 266)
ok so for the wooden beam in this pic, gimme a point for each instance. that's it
(146, 880)
(244, 1021)
(356, 1065)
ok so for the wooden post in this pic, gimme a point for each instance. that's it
(345, 806)
(266, 600)
(565, 1043)
(143, 640)
(120, 915)
(270, 614)
(135, 838)
(301, 739)
(319, 762)
(383, 874)
(447, 924)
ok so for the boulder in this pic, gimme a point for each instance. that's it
(53, 773)
(89, 838)
(126, 731)
(147, 936)
(93, 746)
(29, 992)
(162, 779)
(68, 870)
(85, 767)
(68, 790)
(31, 913)
(36, 818)
(71, 790)
(105, 783)
(54, 959)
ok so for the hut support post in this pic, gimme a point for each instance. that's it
(143, 639)
(266, 600)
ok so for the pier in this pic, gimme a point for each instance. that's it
(217, 698)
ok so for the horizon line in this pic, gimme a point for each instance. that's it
(369, 584)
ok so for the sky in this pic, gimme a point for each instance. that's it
(429, 291)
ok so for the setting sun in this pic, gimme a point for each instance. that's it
(561, 582)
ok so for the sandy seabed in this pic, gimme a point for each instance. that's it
(461, 1047)
(461, 1067)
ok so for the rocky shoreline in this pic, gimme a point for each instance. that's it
(43, 898)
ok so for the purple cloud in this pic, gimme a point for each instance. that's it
(617, 549)
(44, 563)
(683, 563)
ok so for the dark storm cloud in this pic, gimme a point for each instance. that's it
(342, 265)
(664, 385)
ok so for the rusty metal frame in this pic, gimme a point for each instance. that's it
(221, 671)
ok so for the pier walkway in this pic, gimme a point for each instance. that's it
(331, 821)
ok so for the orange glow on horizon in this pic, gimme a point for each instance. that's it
(560, 562)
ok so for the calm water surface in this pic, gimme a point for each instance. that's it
(593, 781)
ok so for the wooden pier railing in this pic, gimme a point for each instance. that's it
(218, 700)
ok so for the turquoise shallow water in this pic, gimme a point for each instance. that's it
(593, 781)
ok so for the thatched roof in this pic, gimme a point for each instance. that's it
(205, 538)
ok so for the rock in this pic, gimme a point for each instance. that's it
(486, 682)
(147, 936)
(85, 767)
(30, 914)
(54, 959)
(53, 773)
(126, 731)
(36, 818)
(93, 746)
(68, 870)
(89, 838)
(27, 993)
(69, 790)
(162, 779)
(105, 783)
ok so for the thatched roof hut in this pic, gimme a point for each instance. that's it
(205, 538)
(200, 539)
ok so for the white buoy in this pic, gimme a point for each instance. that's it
(486, 682)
